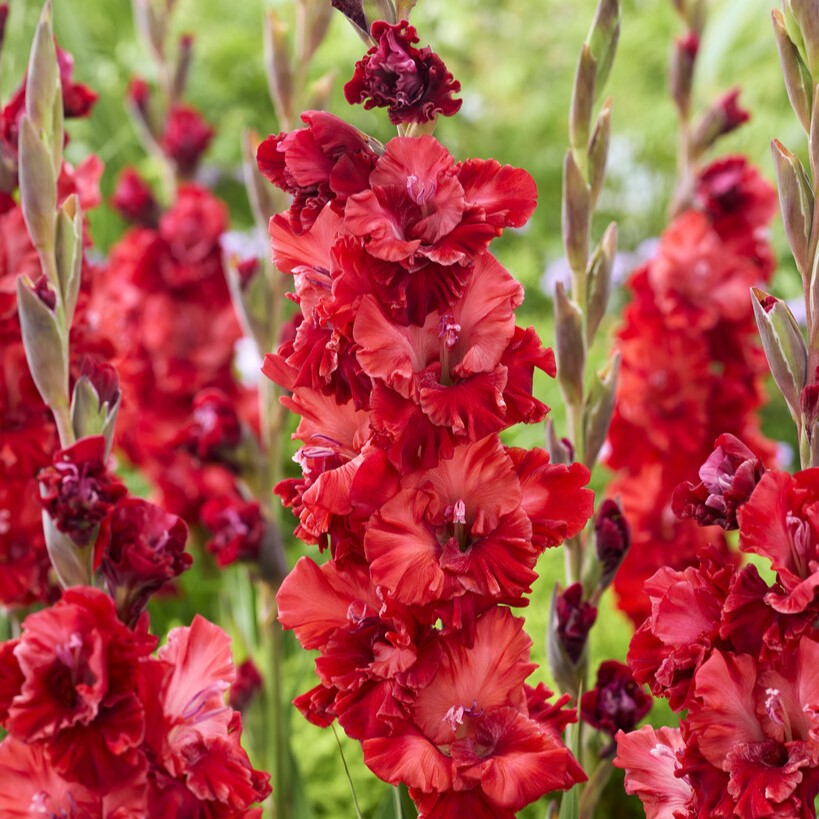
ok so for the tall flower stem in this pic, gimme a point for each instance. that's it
(578, 314)
(794, 363)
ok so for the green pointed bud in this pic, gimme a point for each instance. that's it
(44, 343)
(250, 294)
(576, 215)
(813, 136)
(404, 7)
(72, 563)
(602, 40)
(182, 66)
(797, 78)
(784, 347)
(580, 110)
(599, 151)
(150, 19)
(43, 80)
(95, 402)
(599, 407)
(805, 16)
(796, 203)
(278, 65)
(380, 10)
(320, 91)
(599, 281)
(570, 346)
(317, 25)
(68, 252)
(265, 200)
(38, 189)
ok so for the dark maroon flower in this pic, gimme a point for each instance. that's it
(77, 491)
(237, 529)
(612, 539)
(186, 138)
(727, 480)
(575, 617)
(413, 84)
(247, 684)
(617, 702)
(142, 547)
(134, 200)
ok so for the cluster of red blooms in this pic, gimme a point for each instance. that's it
(740, 654)
(692, 367)
(405, 367)
(167, 297)
(99, 727)
(28, 436)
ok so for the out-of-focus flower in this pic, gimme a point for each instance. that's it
(134, 199)
(186, 138)
(237, 529)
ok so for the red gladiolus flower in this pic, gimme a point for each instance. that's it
(134, 199)
(651, 758)
(237, 529)
(779, 522)
(77, 666)
(142, 548)
(727, 480)
(77, 491)
(214, 429)
(414, 84)
(325, 162)
(186, 138)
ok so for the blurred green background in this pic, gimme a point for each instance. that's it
(515, 60)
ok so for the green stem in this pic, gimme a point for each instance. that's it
(349, 778)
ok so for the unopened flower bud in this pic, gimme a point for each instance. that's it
(576, 215)
(724, 116)
(798, 82)
(247, 685)
(183, 64)
(805, 14)
(617, 702)
(575, 617)
(784, 347)
(134, 200)
(681, 73)
(796, 202)
(612, 540)
(95, 401)
(570, 345)
(139, 94)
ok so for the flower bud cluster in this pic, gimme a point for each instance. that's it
(405, 366)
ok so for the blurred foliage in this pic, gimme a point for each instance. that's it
(515, 61)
